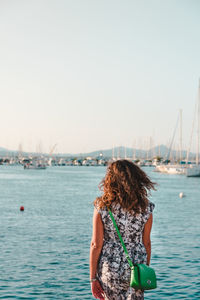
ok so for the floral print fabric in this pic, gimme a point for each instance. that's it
(113, 268)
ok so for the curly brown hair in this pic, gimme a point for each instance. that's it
(126, 184)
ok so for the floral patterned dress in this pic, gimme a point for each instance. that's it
(113, 269)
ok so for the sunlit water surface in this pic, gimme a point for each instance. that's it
(45, 249)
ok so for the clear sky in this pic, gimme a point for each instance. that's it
(90, 74)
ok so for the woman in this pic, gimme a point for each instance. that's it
(125, 191)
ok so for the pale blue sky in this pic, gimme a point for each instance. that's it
(90, 74)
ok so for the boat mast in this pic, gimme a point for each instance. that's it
(180, 134)
(125, 156)
(113, 152)
(198, 125)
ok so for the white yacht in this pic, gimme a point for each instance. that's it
(171, 169)
(193, 171)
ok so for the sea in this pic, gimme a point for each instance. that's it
(44, 250)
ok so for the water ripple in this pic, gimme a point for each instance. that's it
(45, 250)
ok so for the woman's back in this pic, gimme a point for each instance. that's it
(114, 270)
(130, 225)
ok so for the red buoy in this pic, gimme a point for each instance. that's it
(21, 208)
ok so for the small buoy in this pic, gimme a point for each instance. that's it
(21, 208)
(181, 195)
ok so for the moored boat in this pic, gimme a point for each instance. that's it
(193, 171)
(35, 164)
(171, 169)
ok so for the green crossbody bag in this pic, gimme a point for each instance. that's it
(142, 276)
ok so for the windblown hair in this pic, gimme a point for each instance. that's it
(127, 184)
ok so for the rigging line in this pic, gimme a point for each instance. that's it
(192, 132)
(170, 148)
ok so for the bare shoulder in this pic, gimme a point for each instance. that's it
(96, 216)
(147, 227)
(98, 230)
(149, 222)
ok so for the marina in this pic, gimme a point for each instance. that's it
(158, 164)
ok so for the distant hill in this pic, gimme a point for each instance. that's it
(8, 152)
(123, 152)
(118, 152)
(4, 151)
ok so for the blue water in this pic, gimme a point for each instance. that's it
(44, 250)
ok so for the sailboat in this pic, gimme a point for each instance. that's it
(176, 168)
(193, 170)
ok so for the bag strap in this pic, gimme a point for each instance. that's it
(120, 238)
